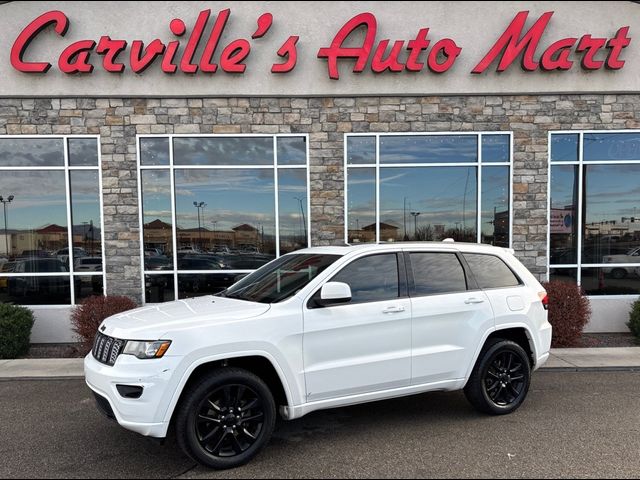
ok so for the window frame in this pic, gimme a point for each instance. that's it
(378, 166)
(581, 163)
(172, 167)
(67, 169)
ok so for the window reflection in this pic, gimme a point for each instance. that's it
(611, 146)
(565, 147)
(87, 286)
(225, 218)
(428, 204)
(154, 151)
(55, 290)
(231, 151)
(429, 149)
(361, 150)
(157, 220)
(159, 288)
(199, 285)
(85, 214)
(361, 209)
(495, 206)
(292, 150)
(36, 217)
(292, 206)
(83, 152)
(564, 215)
(612, 218)
(606, 281)
(31, 152)
(496, 148)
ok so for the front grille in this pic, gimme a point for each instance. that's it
(106, 349)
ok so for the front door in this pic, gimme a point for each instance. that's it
(363, 346)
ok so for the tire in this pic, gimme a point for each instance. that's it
(619, 273)
(500, 379)
(213, 429)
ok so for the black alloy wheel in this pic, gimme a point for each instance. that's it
(504, 379)
(225, 419)
(500, 380)
(229, 421)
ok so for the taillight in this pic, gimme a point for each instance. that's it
(544, 298)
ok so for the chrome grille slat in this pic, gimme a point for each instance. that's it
(106, 350)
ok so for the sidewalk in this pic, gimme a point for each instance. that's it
(564, 359)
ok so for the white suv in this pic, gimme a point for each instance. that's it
(318, 329)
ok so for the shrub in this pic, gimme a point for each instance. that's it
(569, 312)
(15, 331)
(87, 317)
(634, 321)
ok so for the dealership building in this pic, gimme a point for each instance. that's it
(160, 150)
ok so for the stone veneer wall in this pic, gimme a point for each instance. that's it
(326, 120)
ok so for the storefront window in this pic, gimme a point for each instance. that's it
(51, 232)
(595, 221)
(219, 207)
(429, 187)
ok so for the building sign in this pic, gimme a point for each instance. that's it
(562, 221)
(191, 51)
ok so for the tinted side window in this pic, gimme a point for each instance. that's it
(437, 273)
(491, 272)
(372, 279)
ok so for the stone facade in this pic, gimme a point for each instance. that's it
(326, 120)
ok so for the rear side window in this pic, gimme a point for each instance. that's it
(491, 271)
(437, 273)
(372, 279)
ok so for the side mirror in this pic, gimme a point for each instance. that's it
(334, 293)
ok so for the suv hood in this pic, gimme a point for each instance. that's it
(156, 322)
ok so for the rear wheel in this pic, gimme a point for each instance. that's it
(226, 419)
(500, 379)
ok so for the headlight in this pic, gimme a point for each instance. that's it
(147, 350)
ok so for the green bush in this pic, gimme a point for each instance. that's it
(15, 331)
(634, 320)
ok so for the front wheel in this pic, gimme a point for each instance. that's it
(226, 419)
(501, 378)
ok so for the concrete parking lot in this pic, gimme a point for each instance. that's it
(574, 424)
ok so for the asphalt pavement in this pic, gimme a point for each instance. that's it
(574, 424)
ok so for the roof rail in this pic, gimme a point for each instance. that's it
(448, 240)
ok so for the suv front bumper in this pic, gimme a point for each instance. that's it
(144, 415)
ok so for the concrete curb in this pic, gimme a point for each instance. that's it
(561, 360)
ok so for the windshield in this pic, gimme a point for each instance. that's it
(280, 279)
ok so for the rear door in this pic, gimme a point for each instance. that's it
(450, 316)
(506, 291)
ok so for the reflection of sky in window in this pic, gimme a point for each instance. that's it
(429, 149)
(437, 193)
(27, 152)
(154, 151)
(563, 185)
(83, 152)
(292, 151)
(496, 148)
(292, 185)
(233, 197)
(611, 146)
(223, 151)
(156, 196)
(564, 147)
(612, 192)
(85, 198)
(361, 150)
(495, 195)
(361, 197)
(39, 199)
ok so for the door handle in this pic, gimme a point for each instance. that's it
(393, 310)
(474, 301)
